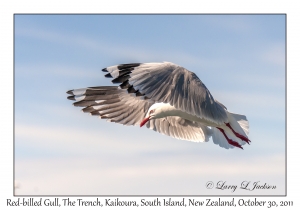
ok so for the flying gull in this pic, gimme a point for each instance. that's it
(166, 98)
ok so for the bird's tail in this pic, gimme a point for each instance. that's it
(236, 130)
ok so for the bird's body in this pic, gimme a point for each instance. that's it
(168, 110)
(166, 98)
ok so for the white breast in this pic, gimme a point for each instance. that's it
(169, 110)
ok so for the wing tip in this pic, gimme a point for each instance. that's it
(70, 92)
(71, 98)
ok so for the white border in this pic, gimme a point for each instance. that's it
(8, 8)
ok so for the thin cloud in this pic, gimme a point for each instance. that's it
(72, 140)
(54, 70)
(230, 23)
(258, 100)
(60, 176)
(132, 53)
(268, 81)
(83, 42)
(274, 55)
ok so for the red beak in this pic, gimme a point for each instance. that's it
(144, 121)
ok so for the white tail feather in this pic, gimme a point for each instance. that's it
(242, 121)
(219, 139)
(239, 124)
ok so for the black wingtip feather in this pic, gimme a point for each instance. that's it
(125, 85)
(104, 70)
(131, 89)
(71, 98)
(70, 92)
(104, 87)
(108, 75)
(129, 65)
(125, 71)
(88, 109)
(121, 79)
(138, 93)
(95, 113)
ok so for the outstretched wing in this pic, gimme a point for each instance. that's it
(109, 102)
(169, 83)
(116, 105)
(179, 128)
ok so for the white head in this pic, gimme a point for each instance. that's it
(157, 110)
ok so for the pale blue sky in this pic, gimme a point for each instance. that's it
(240, 58)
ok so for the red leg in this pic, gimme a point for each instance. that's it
(233, 143)
(237, 134)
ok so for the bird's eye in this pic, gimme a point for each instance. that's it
(151, 112)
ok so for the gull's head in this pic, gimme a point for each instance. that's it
(157, 110)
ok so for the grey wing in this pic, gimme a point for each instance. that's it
(179, 128)
(111, 103)
(169, 83)
(116, 105)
